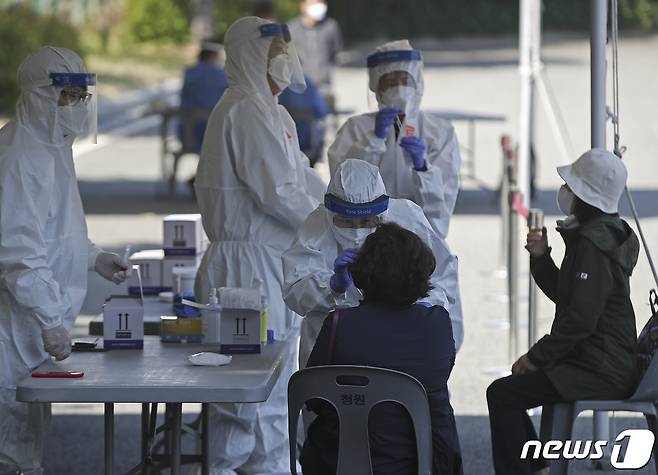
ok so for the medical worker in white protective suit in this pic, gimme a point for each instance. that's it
(417, 153)
(315, 267)
(44, 250)
(255, 189)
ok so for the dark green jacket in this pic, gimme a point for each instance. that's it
(591, 350)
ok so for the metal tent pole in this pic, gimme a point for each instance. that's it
(598, 37)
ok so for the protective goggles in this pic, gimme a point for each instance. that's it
(356, 210)
(275, 29)
(396, 56)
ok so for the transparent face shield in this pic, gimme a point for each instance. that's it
(356, 215)
(284, 67)
(392, 79)
(77, 111)
(354, 222)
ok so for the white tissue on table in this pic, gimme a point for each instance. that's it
(240, 298)
(206, 358)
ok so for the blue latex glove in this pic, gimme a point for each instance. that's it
(384, 120)
(416, 148)
(341, 280)
(426, 304)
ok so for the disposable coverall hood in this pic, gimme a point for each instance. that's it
(37, 107)
(247, 56)
(413, 67)
(356, 181)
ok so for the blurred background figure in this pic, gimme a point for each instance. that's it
(318, 40)
(308, 110)
(203, 86)
(265, 9)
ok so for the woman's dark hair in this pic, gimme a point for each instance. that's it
(393, 266)
(584, 211)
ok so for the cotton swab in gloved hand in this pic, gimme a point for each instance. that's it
(399, 124)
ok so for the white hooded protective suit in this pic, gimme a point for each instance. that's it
(308, 264)
(44, 250)
(254, 189)
(434, 190)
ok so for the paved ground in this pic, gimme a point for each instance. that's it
(121, 195)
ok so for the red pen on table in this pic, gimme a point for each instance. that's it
(58, 374)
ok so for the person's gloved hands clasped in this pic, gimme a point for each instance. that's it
(384, 120)
(415, 147)
(57, 342)
(342, 279)
(112, 267)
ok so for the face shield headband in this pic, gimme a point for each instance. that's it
(291, 69)
(356, 210)
(275, 29)
(72, 79)
(379, 58)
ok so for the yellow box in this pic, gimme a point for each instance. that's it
(176, 329)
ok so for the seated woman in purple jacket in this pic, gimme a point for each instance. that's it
(390, 329)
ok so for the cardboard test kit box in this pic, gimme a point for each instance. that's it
(183, 235)
(123, 323)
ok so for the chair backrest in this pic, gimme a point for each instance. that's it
(647, 390)
(353, 391)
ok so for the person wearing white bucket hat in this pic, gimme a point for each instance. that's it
(590, 352)
(598, 178)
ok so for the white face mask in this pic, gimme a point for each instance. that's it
(317, 11)
(280, 71)
(73, 119)
(398, 96)
(350, 238)
(565, 198)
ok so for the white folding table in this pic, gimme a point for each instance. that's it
(159, 373)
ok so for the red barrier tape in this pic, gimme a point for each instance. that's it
(517, 205)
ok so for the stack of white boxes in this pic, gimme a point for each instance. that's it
(184, 245)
